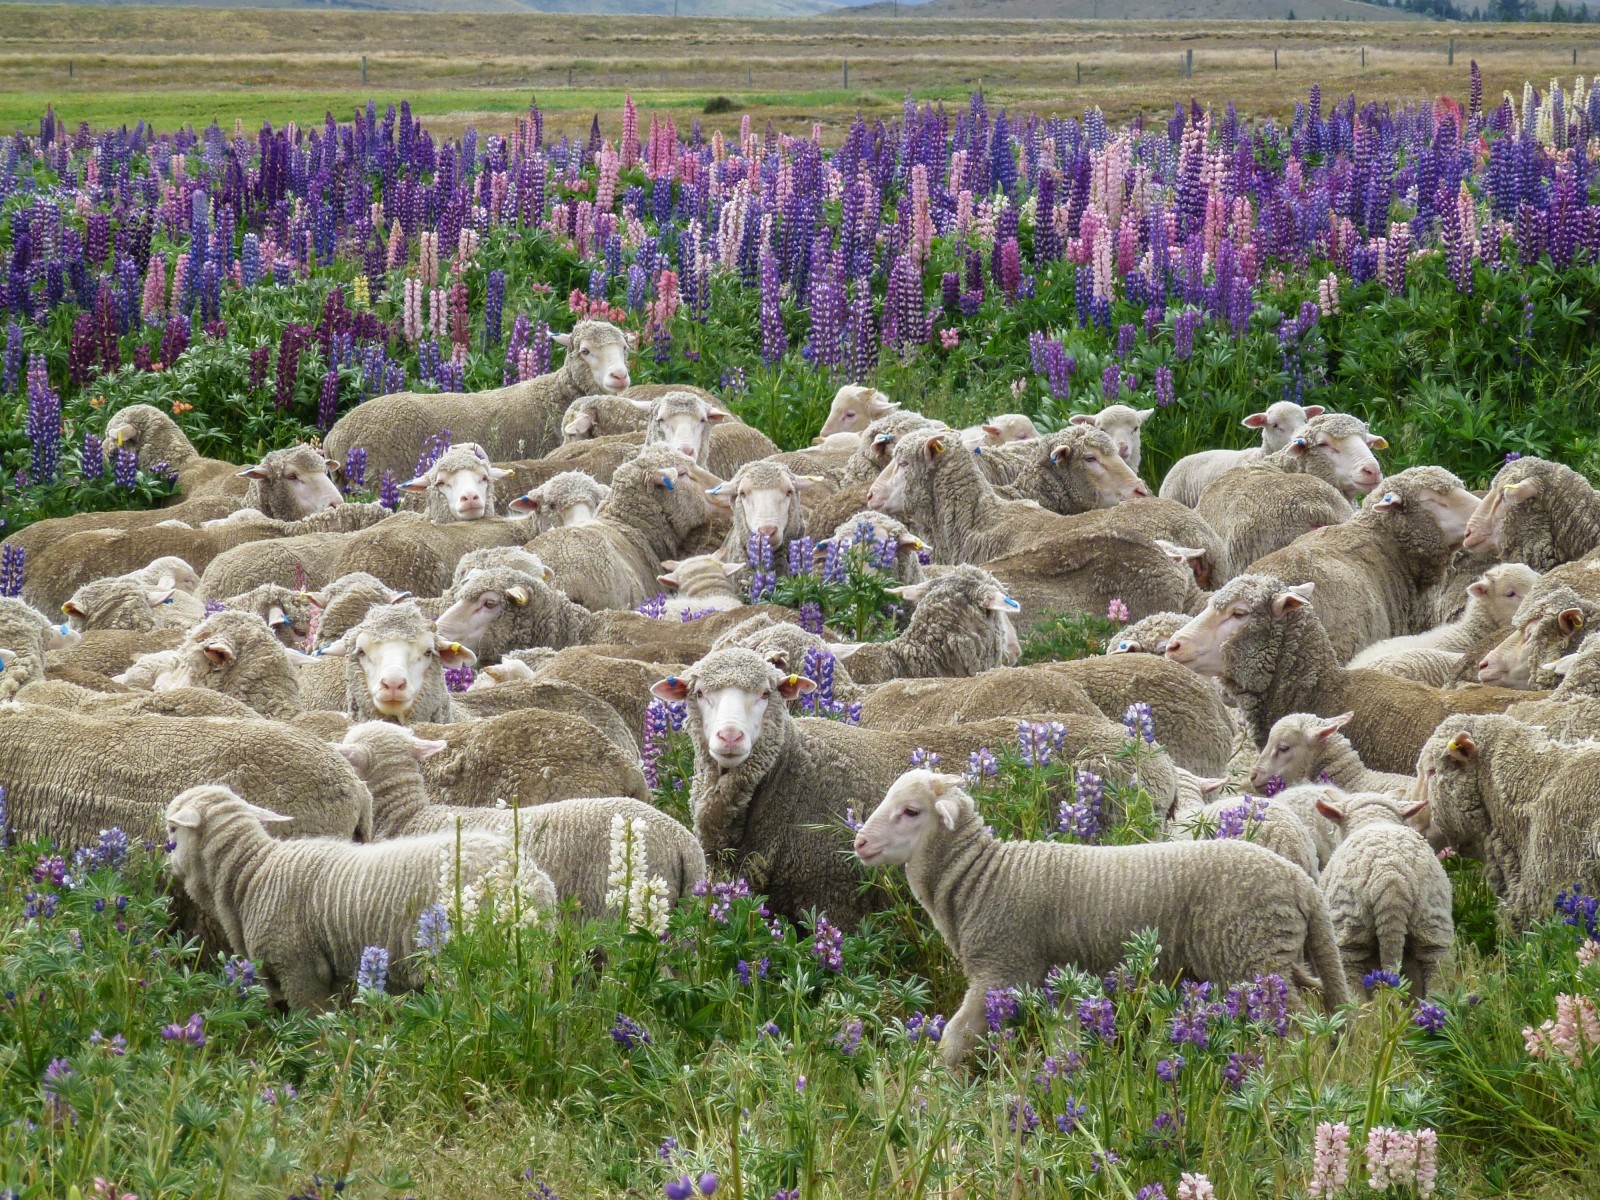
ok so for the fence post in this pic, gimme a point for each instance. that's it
(569, 74)
(1188, 64)
(847, 73)
(1274, 58)
(363, 70)
(1080, 72)
(1452, 60)
(1363, 58)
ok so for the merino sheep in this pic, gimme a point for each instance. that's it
(682, 421)
(1549, 624)
(1149, 636)
(1276, 827)
(518, 421)
(1122, 424)
(1572, 712)
(1492, 600)
(1011, 911)
(999, 430)
(124, 602)
(286, 612)
(290, 485)
(107, 652)
(1264, 640)
(1072, 471)
(1372, 571)
(1256, 509)
(300, 560)
(26, 634)
(459, 486)
(764, 498)
(1003, 692)
(961, 626)
(770, 791)
(1305, 748)
(509, 687)
(1189, 477)
(570, 498)
(291, 906)
(1387, 895)
(855, 407)
(345, 601)
(170, 572)
(569, 839)
(394, 667)
(702, 584)
(825, 509)
(235, 654)
(1537, 512)
(603, 416)
(909, 548)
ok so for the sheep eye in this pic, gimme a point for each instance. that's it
(491, 604)
(850, 413)
(1283, 749)
(767, 695)
(912, 812)
(292, 478)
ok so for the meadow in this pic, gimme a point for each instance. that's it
(1432, 267)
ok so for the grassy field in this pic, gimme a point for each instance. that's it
(172, 65)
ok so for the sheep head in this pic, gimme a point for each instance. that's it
(728, 693)
(289, 485)
(597, 351)
(855, 407)
(916, 804)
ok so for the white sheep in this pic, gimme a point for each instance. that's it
(1010, 911)
(1122, 424)
(1256, 819)
(999, 431)
(459, 485)
(703, 583)
(1306, 748)
(855, 407)
(568, 498)
(394, 667)
(1492, 600)
(1192, 474)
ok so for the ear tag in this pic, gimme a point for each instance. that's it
(793, 679)
(936, 447)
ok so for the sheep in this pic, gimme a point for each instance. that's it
(234, 653)
(1387, 894)
(1492, 599)
(170, 571)
(107, 652)
(509, 687)
(66, 778)
(1011, 911)
(825, 508)
(290, 485)
(598, 458)
(569, 839)
(1372, 571)
(656, 507)
(109, 697)
(1306, 748)
(602, 416)
(1264, 640)
(909, 548)
(1122, 424)
(570, 498)
(999, 431)
(1148, 636)
(701, 583)
(1188, 478)
(413, 554)
(26, 635)
(1257, 509)
(682, 421)
(345, 601)
(1572, 712)
(1550, 623)
(1275, 827)
(286, 612)
(1436, 668)
(770, 791)
(765, 500)
(790, 648)
(144, 673)
(1537, 512)
(518, 421)
(1336, 448)
(1003, 692)
(459, 486)
(1072, 471)
(124, 602)
(292, 906)
(394, 667)
(961, 626)
(854, 408)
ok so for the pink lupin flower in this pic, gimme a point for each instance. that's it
(1195, 1187)
(1117, 610)
(1330, 1170)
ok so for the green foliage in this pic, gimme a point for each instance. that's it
(1068, 635)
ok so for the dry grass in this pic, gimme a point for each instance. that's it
(171, 65)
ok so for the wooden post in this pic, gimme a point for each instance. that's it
(1080, 72)
(569, 74)
(1363, 58)
(747, 76)
(69, 67)
(1452, 52)
(1188, 64)
(363, 70)
(847, 73)
(1274, 58)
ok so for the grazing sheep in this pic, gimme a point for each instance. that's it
(854, 408)
(770, 791)
(1492, 599)
(999, 431)
(1572, 712)
(1373, 571)
(1549, 624)
(292, 906)
(1537, 512)
(394, 667)
(764, 498)
(26, 634)
(1122, 424)
(1002, 692)
(1149, 636)
(702, 583)
(1264, 640)
(346, 600)
(961, 626)
(1305, 748)
(67, 778)
(1011, 911)
(656, 507)
(1189, 477)
(286, 612)
(124, 602)
(1276, 827)
(569, 839)
(519, 421)
(1388, 897)
(570, 498)
(603, 416)
(459, 485)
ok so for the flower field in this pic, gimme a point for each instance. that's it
(1432, 268)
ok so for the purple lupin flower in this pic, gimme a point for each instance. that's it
(125, 469)
(758, 552)
(774, 341)
(1098, 1017)
(328, 402)
(827, 944)
(12, 565)
(389, 491)
(355, 468)
(494, 296)
(1164, 390)
(43, 423)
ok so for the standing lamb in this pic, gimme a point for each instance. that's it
(1305, 748)
(1537, 512)
(1387, 895)
(1275, 827)
(1189, 477)
(1011, 911)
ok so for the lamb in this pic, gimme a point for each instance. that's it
(66, 778)
(290, 905)
(569, 839)
(765, 500)
(771, 792)
(170, 572)
(1122, 424)
(1275, 827)
(1550, 623)
(459, 486)
(655, 509)
(1188, 478)
(1011, 911)
(854, 408)
(26, 635)
(570, 498)
(1492, 599)
(1305, 748)
(1003, 692)
(999, 431)
(1387, 895)
(394, 667)
(603, 416)
(1264, 640)
(1572, 713)
(123, 602)
(1149, 636)
(702, 584)
(1537, 512)
(1373, 571)
(519, 421)
(961, 626)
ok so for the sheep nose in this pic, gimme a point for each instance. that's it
(686, 451)
(874, 501)
(471, 500)
(768, 530)
(1141, 492)
(618, 379)
(391, 685)
(336, 501)
(1486, 671)
(1176, 649)
(861, 842)
(730, 739)
(1368, 474)
(1124, 451)
(1473, 540)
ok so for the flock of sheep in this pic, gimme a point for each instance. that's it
(257, 673)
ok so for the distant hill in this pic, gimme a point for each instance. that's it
(1145, 10)
(705, 8)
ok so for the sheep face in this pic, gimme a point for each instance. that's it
(188, 815)
(683, 421)
(731, 708)
(372, 744)
(118, 603)
(173, 572)
(854, 408)
(479, 603)
(1092, 471)
(1449, 505)
(1502, 588)
(601, 350)
(1351, 463)
(1294, 746)
(1542, 635)
(396, 664)
(889, 491)
(1280, 422)
(1448, 785)
(1007, 427)
(767, 498)
(1122, 425)
(912, 807)
(1202, 644)
(289, 485)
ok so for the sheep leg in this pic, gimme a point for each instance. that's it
(306, 985)
(1419, 970)
(962, 1030)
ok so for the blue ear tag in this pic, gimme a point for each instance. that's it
(977, 449)
(672, 681)
(1010, 603)
(168, 600)
(64, 627)
(667, 483)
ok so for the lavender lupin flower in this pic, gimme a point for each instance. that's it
(1140, 722)
(372, 975)
(13, 560)
(125, 469)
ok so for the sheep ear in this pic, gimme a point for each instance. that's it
(791, 686)
(420, 484)
(1461, 747)
(1478, 588)
(1082, 419)
(256, 472)
(1414, 810)
(1000, 602)
(525, 504)
(1570, 620)
(219, 653)
(1388, 502)
(320, 599)
(1517, 493)
(803, 482)
(299, 657)
(338, 648)
(779, 659)
(189, 818)
(1144, 414)
(422, 748)
(1061, 455)
(517, 595)
(1254, 420)
(1314, 410)
(703, 477)
(159, 595)
(716, 416)
(720, 500)
(910, 541)
(913, 592)
(73, 609)
(934, 446)
(1333, 725)
(1210, 787)
(498, 472)
(670, 688)
(454, 654)
(1295, 597)
(667, 580)
(359, 757)
(561, 339)
(643, 406)
(1376, 442)
(845, 649)
(265, 815)
(730, 569)
(992, 429)
(949, 809)
(276, 617)
(1297, 448)
(632, 338)
(1333, 814)
(399, 597)
(1562, 665)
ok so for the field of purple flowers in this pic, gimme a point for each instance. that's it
(1433, 268)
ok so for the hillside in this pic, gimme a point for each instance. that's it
(1145, 10)
(736, 9)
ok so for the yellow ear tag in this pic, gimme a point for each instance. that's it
(936, 447)
(793, 679)
(1453, 744)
